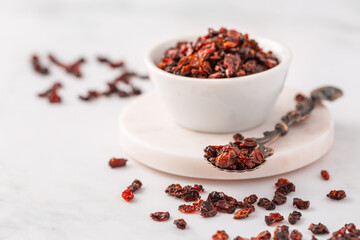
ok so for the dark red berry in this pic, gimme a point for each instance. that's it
(117, 162)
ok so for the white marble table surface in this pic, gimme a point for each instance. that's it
(54, 178)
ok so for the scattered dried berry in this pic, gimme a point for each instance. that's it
(92, 94)
(160, 216)
(127, 195)
(266, 203)
(135, 185)
(348, 232)
(197, 204)
(281, 182)
(286, 188)
(73, 69)
(281, 233)
(294, 217)
(300, 98)
(117, 162)
(336, 194)
(187, 193)
(250, 199)
(51, 94)
(235, 155)
(279, 198)
(180, 223)
(110, 63)
(300, 204)
(318, 228)
(38, 67)
(273, 217)
(243, 213)
(265, 235)
(238, 137)
(325, 175)
(219, 54)
(220, 235)
(222, 202)
(187, 208)
(207, 209)
(295, 235)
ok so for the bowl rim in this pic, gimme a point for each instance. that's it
(150, 62)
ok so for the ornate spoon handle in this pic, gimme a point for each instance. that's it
(302, 112)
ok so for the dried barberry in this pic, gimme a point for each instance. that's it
(301, 204)
(348, 232)
(250, 199)
(197, 204)
(266, 203)
(295, 235)
(180, 223)
(91, 95)
(318, 228)
(243, 213)
(294, 217)
(127, 195)
(38, 67)
(160, 216)
(325, 175)
(187, 193)
(52, 94)
(219, 54)
(207, 209)
(222, 202)
(220, 235)
(286, 188)
(279, 198)
(336, 194)
(281, 182)
(265, 235)
(273, 217)
(117, 162)
(110, 63)
(300, 98)
(281, 233)
(238, 137)
(187, 208)
(73, 69)
(135, 185)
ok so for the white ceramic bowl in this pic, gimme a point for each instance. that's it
(220, 105)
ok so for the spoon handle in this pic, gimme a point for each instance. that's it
(301, 113)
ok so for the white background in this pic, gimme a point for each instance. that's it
(54, 178)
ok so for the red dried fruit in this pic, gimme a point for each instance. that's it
(300, 204)
(281, 182)
(336, 194)
(220, 235)
(135, 185)
(266, 203)
(91, 95)
(180, 223)
(318, 228)
(219, 54)
(348, 232)
(117, 162)
(187, 193)
(222, 202)
(281, 233)
(160, 216)
(51, 94)
(325, 175)
(127, 195)
(286, 188)
(299, 97)
(250, 199)
(187, 208)
(295, 235)
(110, 63)
(238, 137)
(243, 213)
(294, 217)
(207, 209)
(273, 217)
(265, 235)
(279, 198)
(73, 69)
(38, 67)
(197, 204)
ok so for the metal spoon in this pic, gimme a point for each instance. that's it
(302, 112)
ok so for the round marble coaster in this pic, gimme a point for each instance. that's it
(149, 134)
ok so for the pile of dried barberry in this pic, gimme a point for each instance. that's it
(219, 54)
(113, 87)
(238, 155)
